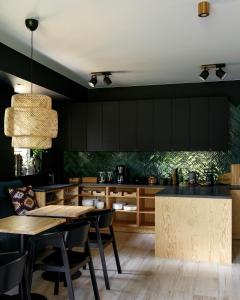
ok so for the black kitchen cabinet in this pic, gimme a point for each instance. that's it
(145, 125)
(110, 126)
(162, 126)
(180, 124)
(199, 124)
(78, 125)
(128, 125)
(94, 126)
(63, 140)
(218, 123)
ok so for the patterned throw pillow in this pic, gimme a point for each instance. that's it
(23, 199)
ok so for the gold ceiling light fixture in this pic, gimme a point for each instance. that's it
(30, 120)
(203, 9)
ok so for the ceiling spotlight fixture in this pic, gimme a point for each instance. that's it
(204, 74)
(106, 78)
(93, 81)
(203, 9)
(219, 72)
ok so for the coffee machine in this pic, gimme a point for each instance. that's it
(121, 172)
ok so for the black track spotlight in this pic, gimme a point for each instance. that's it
(204, 74)
(93, 81)
(107, 79)
(219, 72)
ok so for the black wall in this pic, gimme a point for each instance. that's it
(6, 151)
(230, 89)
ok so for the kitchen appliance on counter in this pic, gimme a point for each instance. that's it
(102, 177)
(192, 177)
(139, 180)
(209, 177)
(121, 172)
(152, 180)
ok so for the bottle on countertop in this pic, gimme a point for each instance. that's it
(175, 178)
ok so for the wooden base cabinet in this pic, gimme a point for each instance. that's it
(58, 196)
(140, 220)
(194, 229)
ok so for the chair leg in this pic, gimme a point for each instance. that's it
(116, 257)
(67, 273)
(104, 266)
(94, 281)
(56, 284)
(116, 252)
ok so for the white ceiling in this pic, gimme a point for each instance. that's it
(149, 42)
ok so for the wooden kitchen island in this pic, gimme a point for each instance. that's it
(194, 223)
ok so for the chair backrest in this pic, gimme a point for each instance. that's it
(11, 270)
(76, 234)
(104, 217)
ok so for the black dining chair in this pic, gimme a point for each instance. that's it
(12, 274)
(102, 219)
(64, 260)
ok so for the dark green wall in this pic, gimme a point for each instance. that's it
(6, 151)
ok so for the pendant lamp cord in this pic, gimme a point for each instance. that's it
(31, 63)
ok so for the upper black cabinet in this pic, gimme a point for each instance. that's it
(162, 126)
(94, 126)
(145, 125)
(78, 124)
(128, 126)
(199, 124)
(218, 123)
(180, 124)
(110, 126)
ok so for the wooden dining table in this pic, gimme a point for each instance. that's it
(60, 211)
(28, 226)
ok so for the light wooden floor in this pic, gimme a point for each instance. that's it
(146, 277)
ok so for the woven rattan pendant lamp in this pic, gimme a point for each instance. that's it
(30, 120)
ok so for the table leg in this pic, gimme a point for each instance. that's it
(27, 271)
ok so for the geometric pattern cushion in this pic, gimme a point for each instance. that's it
(23, 199)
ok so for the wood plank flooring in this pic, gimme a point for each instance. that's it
(146, 277)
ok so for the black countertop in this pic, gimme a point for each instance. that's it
(217, 191)
(48, 188)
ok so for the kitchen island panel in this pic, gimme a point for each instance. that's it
(194, 229)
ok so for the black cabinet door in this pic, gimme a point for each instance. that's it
(63, 141)
(145, 125)
(94, 126)
(180, 124)
(218, 123)
(128, 125)
(110, 126)
(199, 124)
(78, 126)
(162, 124)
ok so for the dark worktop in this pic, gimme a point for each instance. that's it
(48, 188)
(217, 191)
(126, 185)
